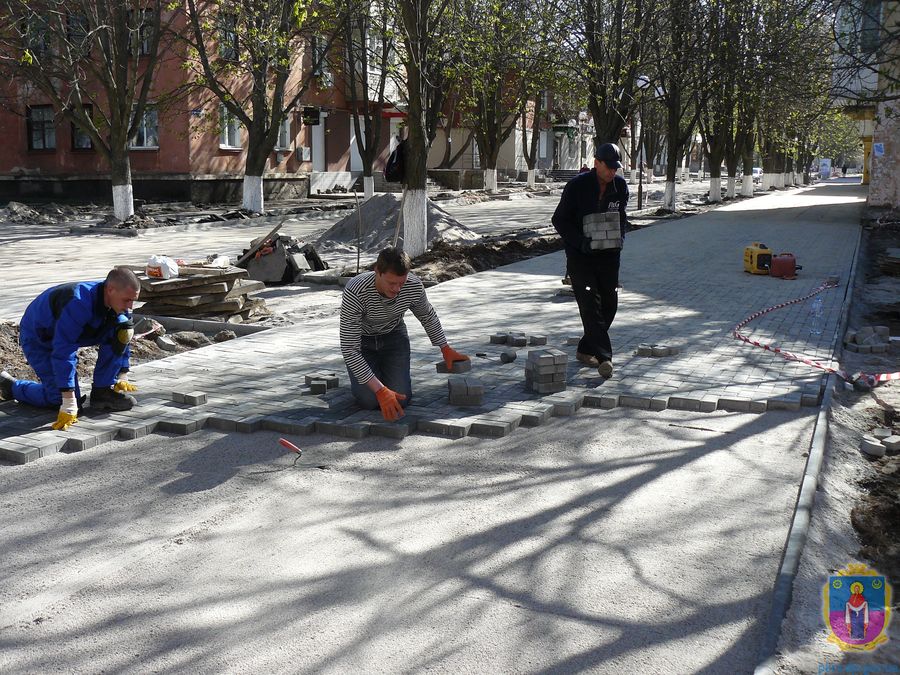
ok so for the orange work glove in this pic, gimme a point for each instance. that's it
(451, 355)
(390, 403)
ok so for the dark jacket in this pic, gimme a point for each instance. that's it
(580, 198)
(69, 316)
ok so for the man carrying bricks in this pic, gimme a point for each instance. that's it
(593, 242)
(56, 324)
(374, 341)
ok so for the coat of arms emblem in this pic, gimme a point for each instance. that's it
(857, 606)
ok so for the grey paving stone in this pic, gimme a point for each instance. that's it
(288, 425)
(343, 429)
(784, 402)
(531, 414)
(734, 404)
(458, 367)
(492, 428)
(18, 454)
(537, 340)
(399, 429)
(445, 427)
(684, 403)
(195, 398)
(566, 404)
(136, 430)
(631, 401)
(180, 425)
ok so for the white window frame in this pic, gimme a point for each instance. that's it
(230, 134)
(141, 137)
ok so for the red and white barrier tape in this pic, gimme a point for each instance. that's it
(868, 379)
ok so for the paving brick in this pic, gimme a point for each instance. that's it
(809, 399)
(179, 425)
(734, 404)
(399, 429)
(195, 398)
(566, 404)
(532, 414)
(891, 443)
(318, 387)
(465, 400)
(445, 427)
(492, 428)
(343, 429)
(684, 403)
(631, 401)
(537, 340)
(18, 454)
(223, 422)
(288, 425)
(458, 367)
(784, 402)
(136, 430)
(498, 339)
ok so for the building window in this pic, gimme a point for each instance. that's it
(230, 137)
(76, 28)
(141, 24)
(37, 35)
(284, 134)
(870, 26)
(320, 61)
(228, 39)
(147, 133)
(80, 140)
(41, 128)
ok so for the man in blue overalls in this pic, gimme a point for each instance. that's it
(56, 324)
(594, 273)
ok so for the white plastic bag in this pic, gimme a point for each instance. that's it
(161, 267)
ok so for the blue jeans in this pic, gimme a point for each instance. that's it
(388, 357)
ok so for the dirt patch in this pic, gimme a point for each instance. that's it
(142, 350)
(876, 514)
(445, 261)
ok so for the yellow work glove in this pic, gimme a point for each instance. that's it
(451, 355)
(389, 401)
(68, 412)
(124, 386)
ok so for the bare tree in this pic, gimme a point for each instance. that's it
(257, 59)
(94, 62)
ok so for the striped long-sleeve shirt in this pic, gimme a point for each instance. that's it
(366, 312)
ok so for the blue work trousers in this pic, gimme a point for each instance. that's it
(46, 394)
(388, 357)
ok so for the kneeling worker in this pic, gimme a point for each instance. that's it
(56, 324)
(374, 341)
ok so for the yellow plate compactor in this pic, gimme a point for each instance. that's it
(757, 258)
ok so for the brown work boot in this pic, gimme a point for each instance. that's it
(6, 385)
(605, 369)
(587, 359)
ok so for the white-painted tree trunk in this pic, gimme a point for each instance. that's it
(634, 175)
(415, 222)
(669, 196)
(490, 180)
(123, 201)
(730, 187)
(747, 185)
(715, 189)
(768, 180)
(779, 180)
(368, 187)
(531, 176)
(253, 194)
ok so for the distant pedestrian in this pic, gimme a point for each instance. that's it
(594, 274)
(56, 324)
(374, 341)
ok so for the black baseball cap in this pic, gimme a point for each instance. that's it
(608, 153)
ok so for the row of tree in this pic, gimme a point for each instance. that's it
(748, 75)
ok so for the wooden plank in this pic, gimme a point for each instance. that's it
(259, 244)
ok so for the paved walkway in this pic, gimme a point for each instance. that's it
(683, 286)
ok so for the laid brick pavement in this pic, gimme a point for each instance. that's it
(683, 287)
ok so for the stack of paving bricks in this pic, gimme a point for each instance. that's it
(465, 391)
(198, 292)
(604, 230)
(545, 371)
(868, 340)
(515, 339)
(319, 383)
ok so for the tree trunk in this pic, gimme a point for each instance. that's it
(368, 187)
(531, 173)
(120, 172)
(490, 180)
(252, 193)
(747, 180)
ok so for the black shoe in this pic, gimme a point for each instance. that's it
(6, 385)
(587, 359)
(105, 398)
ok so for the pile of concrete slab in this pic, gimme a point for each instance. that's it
(604, 230)
(868, 340)
(880, 442)
(545, 371)
(202, 292)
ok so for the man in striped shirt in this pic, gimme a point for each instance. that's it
(374, 341)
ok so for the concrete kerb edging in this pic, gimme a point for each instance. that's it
(799, 530)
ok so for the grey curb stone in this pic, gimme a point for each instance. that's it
(891, 443)
(445, 427)
(288, 425)
(345, 430)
